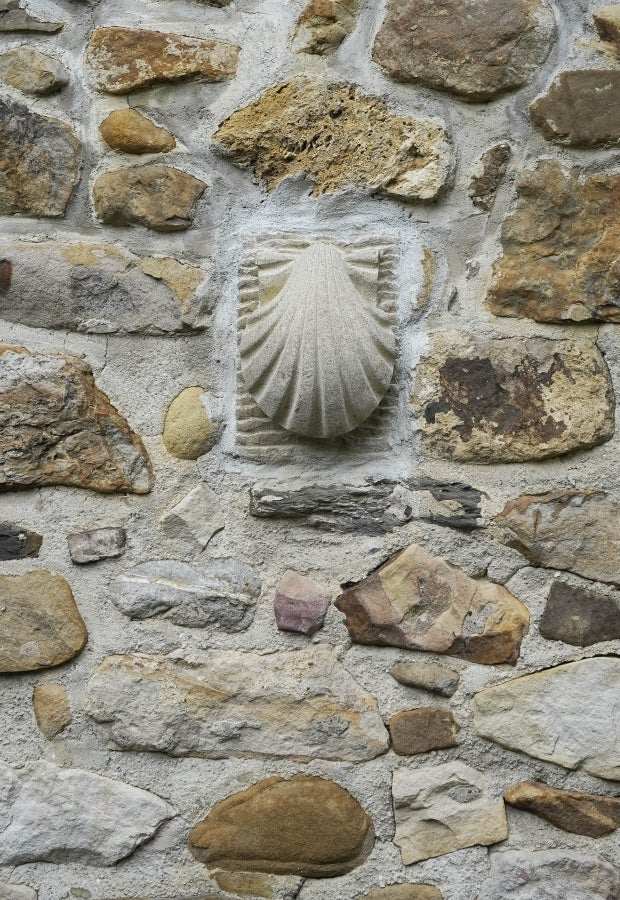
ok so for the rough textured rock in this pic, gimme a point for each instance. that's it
(301, 704)
(474, 48)
(224, 596)
(16, 892)
(18, 543)
(100, 543)
(13, 17)
(444, 808)
(560, 260)
(404, 892)
(579, 616)
(122, 60)
(188, 429)
(581, 109)
(429, 676)
(338, 138)
(56, 427)
(40, 624)
(27, 69)
(421, 602)
(196, 518)
(421, 730)
(255, 884)
(573, 811)
(99, 289)
(51, 709)
(158, 197)
(512, 399)
(324, 24)
(564, 715)
(488, 174)
(300, 604)
(550, 874)
(607, 21)
(69, 815)
(574, 530)
(129, 131)
(39, 163)
(304, 826)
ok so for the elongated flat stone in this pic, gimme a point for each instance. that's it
(13, 17)
(573, 811)
(403, 892)
(221, 703)
(581, 109)
(552, 874)
(429, 676)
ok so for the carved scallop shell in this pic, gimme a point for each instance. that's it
(318, 358)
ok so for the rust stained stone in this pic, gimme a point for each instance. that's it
(421, 730)
(590, 814)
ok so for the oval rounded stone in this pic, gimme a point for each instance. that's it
(129, 131)
(188, 430)
(40, 625)
(305, 826)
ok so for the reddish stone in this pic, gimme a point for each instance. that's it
(300, 604)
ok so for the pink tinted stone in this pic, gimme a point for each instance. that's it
(300, 604)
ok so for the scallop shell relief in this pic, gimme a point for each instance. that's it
(319, 356)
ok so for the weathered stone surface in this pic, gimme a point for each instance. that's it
(56, 427)
(122, 60)
(573, 811)
(552, 874)
(220, 703)
(339, 139)
(18, 543)
(158, 197)
(578, 531)
(512, 399)
(189, 431)
(488, 174)
(429, 676)
(129, 131)
(51, 709)
(39, 163)
(99, 289)
(474, 48)
(421, 730)
(300, 604)
(607, 21)
(100, 543)
(371, 508)
(40, 625)
(579, 616)
(224, 596)
(196, 518)
(566, 715)
(16, 892)
(581, 109)
(255, 884)
(13, 17)
(324, 24)
(560, 259)
(70, 815)
(27, 69)
(404, 892)
(304, 826)
(444, 808)
(421, 602)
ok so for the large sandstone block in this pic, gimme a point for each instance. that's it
(581, 109)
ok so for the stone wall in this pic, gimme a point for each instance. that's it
(309, 491)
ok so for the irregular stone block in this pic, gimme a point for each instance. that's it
(474, 48)
(39, 164)
(573, 530)
(580, 617)
(16, 892)
(420, 602)
(573, 811)
(13, 17)
(607, 21)
(256, 884)
(122, 60)
(444, 808)
(68, 815)
(225, 596)
(512, 399)
(188, 429)
(99, 289)
(421, 730)
(18, 543)
(129, 131)
(51, 709)
(324, 24)
(553, 874)
(27, 69)
(92, 546)
(196, 518)
(560, 259)
(488, 174)
(40, 624)
(304, 826)
(581, 109)
(158, 197)
(563, 715)
(56, 427)
(220, 703)
(363, 145)
(429, 676)
(300, 604)
(404, 892)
